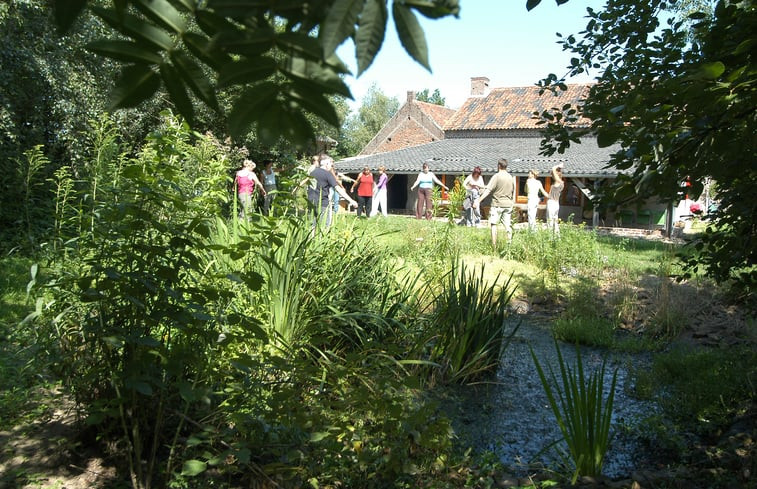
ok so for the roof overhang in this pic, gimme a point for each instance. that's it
(461, 155)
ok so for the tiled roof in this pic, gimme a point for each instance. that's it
(512, 108)
(437, 113)
(460, 155)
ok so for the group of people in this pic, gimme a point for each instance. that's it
(502, 189)
(247, 182)
(371, 192)
(325, 187)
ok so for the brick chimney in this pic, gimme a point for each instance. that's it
(410, 96)
(479, 86)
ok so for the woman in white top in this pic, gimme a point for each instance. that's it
(473, 184)
(533, 189)
(553, 203)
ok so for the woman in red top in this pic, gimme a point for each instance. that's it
(364, 184)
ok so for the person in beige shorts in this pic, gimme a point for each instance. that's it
(502, 189)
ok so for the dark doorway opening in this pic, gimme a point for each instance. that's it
(396, 194)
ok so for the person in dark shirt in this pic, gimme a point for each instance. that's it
(319, 192)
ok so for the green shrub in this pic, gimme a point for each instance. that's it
(133, 322)
(575, 251)
(701, 388)
(585, 331)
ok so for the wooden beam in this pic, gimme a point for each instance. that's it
(585, 190)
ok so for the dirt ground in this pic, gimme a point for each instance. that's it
(49, 454)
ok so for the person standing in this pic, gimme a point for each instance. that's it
(324, 183)
(473, 184)
(246, 182)
(379, 197)
(553, 202)
(364, 184)
(269, 184)
(534, 187)
(425, 183)
(502, 189)
(335, 197)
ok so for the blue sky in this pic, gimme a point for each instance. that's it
(498, 39)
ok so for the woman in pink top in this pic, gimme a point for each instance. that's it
(364, 184)
(245, 182)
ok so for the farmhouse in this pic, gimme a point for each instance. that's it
(491, 124)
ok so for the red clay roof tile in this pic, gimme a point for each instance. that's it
(437, 113)
(513, 108)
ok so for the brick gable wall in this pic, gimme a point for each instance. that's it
(410, 126)
(406, 134)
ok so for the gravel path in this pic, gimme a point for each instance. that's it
(511, 418)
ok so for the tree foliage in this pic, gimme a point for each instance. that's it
(279, 55)
(433, 98)
(51, 92)
(375, 111)
(682, 107)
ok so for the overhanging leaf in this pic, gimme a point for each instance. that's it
(530, 4)
(711, 71)
(201, 47)
(177, 92)
(435, 9)
(211, 23)
(163, 13)
(193, 467)
(66, 12)
(249, 105)
(316, 74)
(317, 104)
(128, 51)
(411, 34)
(745, 46)
(136, 84)
(318, 436)
(188, 5)
(195, 78)
(281, 120)
(135, 28)
(250, 44)
(247, 70)
(606, 137)
(299, 44)
(339, 24)
(370, 34)
(243, 9)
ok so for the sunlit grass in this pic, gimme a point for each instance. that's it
(17, 374)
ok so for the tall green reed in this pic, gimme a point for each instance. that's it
(33, 202)
(64, 194)
(582, 412)
(102, 169)
(466, 331)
